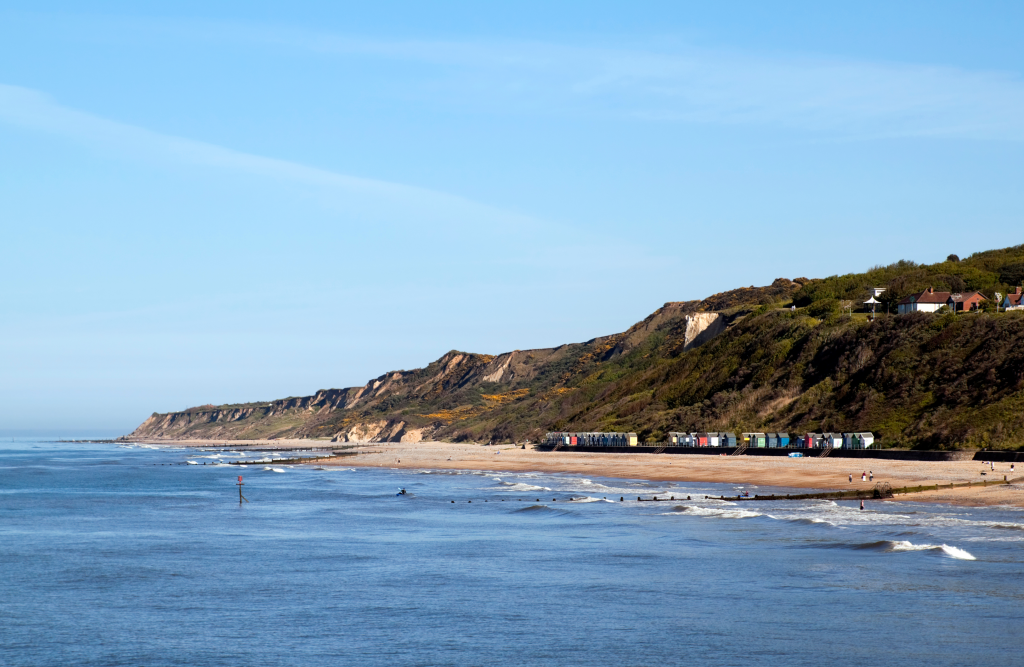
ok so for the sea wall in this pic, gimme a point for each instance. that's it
(890, 454)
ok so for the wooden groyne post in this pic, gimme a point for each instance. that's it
(240, 496)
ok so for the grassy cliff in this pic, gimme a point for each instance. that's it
(739, 361)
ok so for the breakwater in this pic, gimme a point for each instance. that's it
(296, 459)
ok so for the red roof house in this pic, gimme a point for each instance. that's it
(1013, 300)
(927, 301)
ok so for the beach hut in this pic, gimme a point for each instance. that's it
(834, 440)
(866, 439)
(728, 440)
(758, 440)
(850, 441)
(631, 439)
(679, 439)
(783, 440)
(772, 439)
(812, 440)
(713, 439)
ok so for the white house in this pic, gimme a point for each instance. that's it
(927, 301)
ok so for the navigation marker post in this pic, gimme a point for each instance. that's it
(240, 496)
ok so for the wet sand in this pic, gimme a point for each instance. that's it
(809, 472)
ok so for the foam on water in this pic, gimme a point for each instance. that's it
(455, 583)
(895, 546)
(714, 512)
(520, 486)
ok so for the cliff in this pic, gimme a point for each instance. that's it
(738, 361)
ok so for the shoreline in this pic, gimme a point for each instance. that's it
(826, 474)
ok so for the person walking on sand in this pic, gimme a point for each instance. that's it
(871, 476)
(851, 478)
(863, 477)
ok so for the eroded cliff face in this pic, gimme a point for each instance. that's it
(433, 402)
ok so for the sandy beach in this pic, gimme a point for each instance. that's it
(804, 473)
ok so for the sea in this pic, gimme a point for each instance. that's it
(129, 555)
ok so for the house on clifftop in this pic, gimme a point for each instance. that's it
(927, 301)
(930, 301)
(1014, 300)
(966, 301)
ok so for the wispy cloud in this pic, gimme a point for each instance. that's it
(668, 83)
(810, 92)
(499, 238)
(31, 109)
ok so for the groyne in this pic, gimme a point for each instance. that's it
(297, 459)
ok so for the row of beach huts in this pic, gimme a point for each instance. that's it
(857, 440)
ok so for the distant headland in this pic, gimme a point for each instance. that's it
(940, 365)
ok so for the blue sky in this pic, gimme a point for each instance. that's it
(225, 202)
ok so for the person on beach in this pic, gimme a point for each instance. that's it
(863, 477)
(871, 476)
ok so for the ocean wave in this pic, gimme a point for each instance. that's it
(589, 499)
(540, 509)
(520, 486)
(713, 512)
(1007, 526)
(590, 484)
(269, 469)
(804, 521)
(896, 546)
(534, 508)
